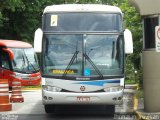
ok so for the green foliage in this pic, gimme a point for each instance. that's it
(12, 5)
(129, 81)
(1, 20)
(110, 2)
(20, 18)
(130, 70)
(140, 94)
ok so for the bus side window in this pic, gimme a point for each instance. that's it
(5, 60)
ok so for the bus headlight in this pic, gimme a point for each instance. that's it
(34, 78)
(51, 88)
(114, 89)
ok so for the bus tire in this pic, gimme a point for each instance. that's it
(49, 108)
(110, 110)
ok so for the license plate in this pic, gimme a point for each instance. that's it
(83, 98)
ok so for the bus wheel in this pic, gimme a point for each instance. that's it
(49, 108)
(110, 110)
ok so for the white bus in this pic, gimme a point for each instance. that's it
(83, 49)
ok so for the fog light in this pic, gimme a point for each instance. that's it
(114, 99)
(50, 98)
(119, 98)
(45, 97)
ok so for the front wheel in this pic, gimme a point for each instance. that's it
(49, 108)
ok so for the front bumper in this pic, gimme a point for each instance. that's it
(107, 98)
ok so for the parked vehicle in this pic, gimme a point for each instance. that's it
(19, 61)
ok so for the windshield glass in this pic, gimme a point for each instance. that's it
(82, 22)
(83, 55)
(25, 60)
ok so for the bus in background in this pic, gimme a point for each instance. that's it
(83, 50)
(19, 61)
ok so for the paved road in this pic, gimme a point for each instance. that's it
(32, 109)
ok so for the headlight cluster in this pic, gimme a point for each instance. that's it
(114, 89)
(51, 88)
(18, 75)
(31, 78)
(25, 76)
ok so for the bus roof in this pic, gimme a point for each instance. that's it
(14, 44)
(82, 8)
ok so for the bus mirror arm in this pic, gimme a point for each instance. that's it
(124, 85)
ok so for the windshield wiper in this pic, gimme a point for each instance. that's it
(70, 63)
(29, 62)
(32, 65)
(94, 66)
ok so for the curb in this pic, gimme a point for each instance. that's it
(141, 116)
(147, 116)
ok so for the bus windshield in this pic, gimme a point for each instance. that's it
(73, 21)
(25, 60)
(83, 55)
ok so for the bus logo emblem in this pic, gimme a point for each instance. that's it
(82, 88)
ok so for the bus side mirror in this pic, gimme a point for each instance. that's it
(38, 40)
(128, 41)
(10, 53)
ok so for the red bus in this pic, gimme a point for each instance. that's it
(19, 61)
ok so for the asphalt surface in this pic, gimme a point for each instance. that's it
(33, 109)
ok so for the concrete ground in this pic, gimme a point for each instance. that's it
(32, 108)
